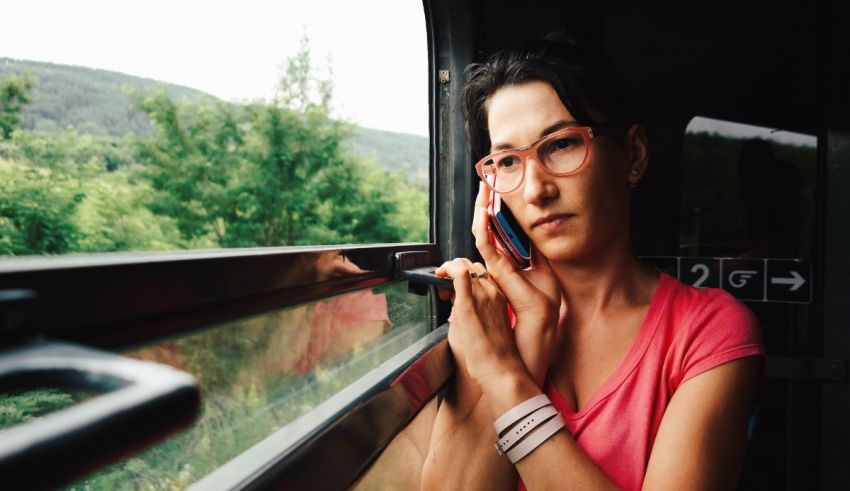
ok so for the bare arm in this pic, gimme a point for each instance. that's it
(461, 454)
(702, 438)
(700, 443)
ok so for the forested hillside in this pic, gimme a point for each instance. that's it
(98, 103)
(95, 161)
(94, 102)
(404, 153)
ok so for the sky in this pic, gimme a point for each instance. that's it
(235, 50)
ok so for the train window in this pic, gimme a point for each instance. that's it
(748, 225)
(263, 372)
(218, 149)
(275, 125)
(747, 190)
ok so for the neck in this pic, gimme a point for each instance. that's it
(610, 279)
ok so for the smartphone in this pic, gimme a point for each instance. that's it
(508, 233)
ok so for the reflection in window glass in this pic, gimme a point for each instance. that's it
(259, 374)
(22, 406)
(747, 191)
(207, 125)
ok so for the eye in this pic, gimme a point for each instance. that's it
(563, 144)
(508, 161)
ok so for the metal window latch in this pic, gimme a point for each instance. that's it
(417, 269)
(803, 368)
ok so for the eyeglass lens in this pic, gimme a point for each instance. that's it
(561, 154)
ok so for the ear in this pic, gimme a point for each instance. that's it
(638, 153)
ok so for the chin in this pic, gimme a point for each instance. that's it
(561, 250)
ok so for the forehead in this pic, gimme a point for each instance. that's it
(518, 114)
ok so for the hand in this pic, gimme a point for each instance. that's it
(533, 294)
(481, 338)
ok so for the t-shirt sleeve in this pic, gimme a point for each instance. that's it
(722, 331)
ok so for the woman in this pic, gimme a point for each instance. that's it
(651, 379)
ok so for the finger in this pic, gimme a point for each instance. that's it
(542, 275)
(496, 261)
(444, 293)
(484, 286)
(481, 223)
(458, 270)
(442, 271)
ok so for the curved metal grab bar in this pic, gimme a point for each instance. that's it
(138, 403)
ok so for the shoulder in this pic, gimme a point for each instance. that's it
(694, 307)
(709, 327)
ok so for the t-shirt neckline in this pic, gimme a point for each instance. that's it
(630, 361)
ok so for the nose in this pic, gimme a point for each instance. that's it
(538, 186)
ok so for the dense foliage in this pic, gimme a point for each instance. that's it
(98, 102)
(211, 174)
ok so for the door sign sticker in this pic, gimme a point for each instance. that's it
(701, 272)
(743, 278)
(752, 279)
(789, 280)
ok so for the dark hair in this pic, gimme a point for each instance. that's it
(584, 80)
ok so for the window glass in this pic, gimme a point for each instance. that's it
(261, 373)
(28, 404)
(159, 125)
(748, 220)
(747, 190)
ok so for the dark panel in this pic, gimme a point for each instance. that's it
(120, 299)
(452, 32)
(835, 318)
(836, 309)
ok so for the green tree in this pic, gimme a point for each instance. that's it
(269, 174)
(14, 94)
(36, 211)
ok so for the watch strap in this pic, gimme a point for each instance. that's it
(535, 439)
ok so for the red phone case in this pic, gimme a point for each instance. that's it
(496, 229)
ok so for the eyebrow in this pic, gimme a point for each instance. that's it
(546, 131)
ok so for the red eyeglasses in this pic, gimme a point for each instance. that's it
(560, 154)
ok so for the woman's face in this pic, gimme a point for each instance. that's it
(568, 218)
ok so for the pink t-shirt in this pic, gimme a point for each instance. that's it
(686, 332)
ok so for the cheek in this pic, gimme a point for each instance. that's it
(606, 195)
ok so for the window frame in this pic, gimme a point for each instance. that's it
(122, 300)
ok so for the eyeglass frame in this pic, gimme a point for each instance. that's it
(587, 132)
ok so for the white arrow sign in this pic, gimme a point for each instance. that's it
(796, 281)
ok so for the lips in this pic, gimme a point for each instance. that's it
(552, 220)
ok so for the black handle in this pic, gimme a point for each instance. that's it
(416, 267)
(137, 404)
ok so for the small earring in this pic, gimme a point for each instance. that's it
(634, 171)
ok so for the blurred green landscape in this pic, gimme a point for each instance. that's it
(98, 161)
(95, 102)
